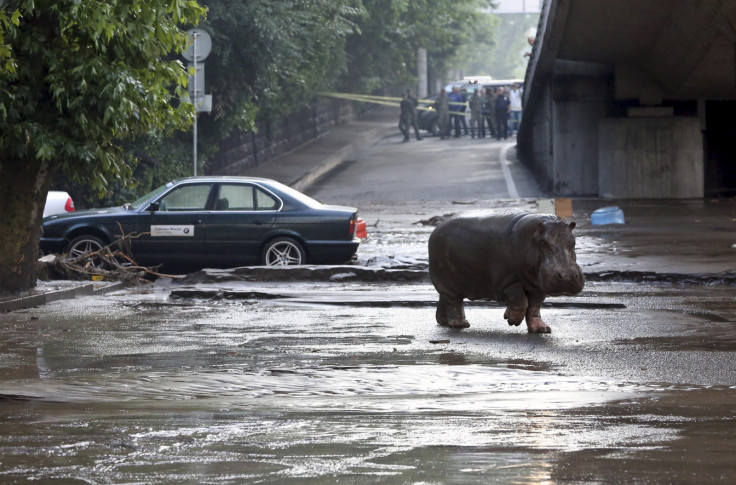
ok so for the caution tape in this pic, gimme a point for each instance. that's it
(383, 100)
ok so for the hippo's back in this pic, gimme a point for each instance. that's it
(470, 255)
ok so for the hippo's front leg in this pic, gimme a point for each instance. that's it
(516, 304)
(534, 322)
(451, 311)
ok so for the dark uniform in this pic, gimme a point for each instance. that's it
(407, 108)
(502, 115)
(413, 120)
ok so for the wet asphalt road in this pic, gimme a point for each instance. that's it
(343, 380)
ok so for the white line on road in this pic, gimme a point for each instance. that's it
(510, 185)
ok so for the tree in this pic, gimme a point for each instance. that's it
(79, 78)
(382, 55)
(505, 59)
(272, 56)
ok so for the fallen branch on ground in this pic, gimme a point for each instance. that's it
(111, 263)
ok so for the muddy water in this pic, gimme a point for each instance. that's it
(143, 388)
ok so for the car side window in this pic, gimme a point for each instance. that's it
(235, 198)
(186, 198)
(245, 198)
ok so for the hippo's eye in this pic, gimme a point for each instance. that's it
(545, 245)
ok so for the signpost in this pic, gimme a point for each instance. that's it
(199, 47)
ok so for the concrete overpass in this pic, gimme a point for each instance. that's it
(633, 99)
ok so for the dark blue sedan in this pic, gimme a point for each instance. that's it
(213, 221)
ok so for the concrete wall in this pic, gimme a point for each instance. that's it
(650, 158)
(535, 143)
(244, 150)
(561, 147)
(579, 103)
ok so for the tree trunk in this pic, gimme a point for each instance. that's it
(23, 189)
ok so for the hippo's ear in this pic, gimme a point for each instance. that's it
(572, 225)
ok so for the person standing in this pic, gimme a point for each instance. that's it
(489, 111)
(413, 114)
(502, 114)
(464, 108)
(476, 115)
(514, 109)
(457, 106)
(442, 105)
(405, 116)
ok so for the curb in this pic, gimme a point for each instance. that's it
(48, 292)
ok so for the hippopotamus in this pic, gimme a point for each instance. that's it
(514, 257)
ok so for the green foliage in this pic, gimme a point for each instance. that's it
(87, 75)
(383, 55)
(270, 56)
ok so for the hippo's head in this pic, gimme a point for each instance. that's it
(554, 244)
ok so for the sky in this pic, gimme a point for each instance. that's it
(518, 6)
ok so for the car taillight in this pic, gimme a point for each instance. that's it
(69, 206)
(351, 228)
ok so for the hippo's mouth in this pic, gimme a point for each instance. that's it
(563, 282)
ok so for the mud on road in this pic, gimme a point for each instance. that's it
(320, 382)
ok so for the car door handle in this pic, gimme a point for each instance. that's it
(258, 223)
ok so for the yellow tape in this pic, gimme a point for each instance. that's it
(383, 100)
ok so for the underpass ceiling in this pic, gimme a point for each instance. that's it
(687, 48)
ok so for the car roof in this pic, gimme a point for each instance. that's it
(223, 178)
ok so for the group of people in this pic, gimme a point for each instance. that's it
(497, 108)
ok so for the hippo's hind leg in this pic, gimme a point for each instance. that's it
(451, 311)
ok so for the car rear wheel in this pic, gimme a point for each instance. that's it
(283, 251)
(81, 245)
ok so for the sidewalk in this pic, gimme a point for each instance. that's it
(303, 166)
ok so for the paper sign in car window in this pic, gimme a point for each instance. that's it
(172, 231)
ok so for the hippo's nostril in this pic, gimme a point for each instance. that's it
(560, 276)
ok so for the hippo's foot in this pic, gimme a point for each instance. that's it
(514, 318)
(441, 317)
(458, 323)
(537, 325)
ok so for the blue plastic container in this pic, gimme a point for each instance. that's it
(607, 215)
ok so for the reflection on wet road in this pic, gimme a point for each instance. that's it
(145, 388)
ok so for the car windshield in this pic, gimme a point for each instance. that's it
(148, 197)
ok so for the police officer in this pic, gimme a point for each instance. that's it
(413, 114)
(442, 105)
(502, 114)
(476, 115)
(405, 116)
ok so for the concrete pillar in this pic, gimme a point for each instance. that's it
(422, 72)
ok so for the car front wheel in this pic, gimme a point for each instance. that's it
(79, 246)
(283, 251)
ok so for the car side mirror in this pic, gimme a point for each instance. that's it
(155, 206)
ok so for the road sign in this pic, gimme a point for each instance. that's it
(199, 41)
